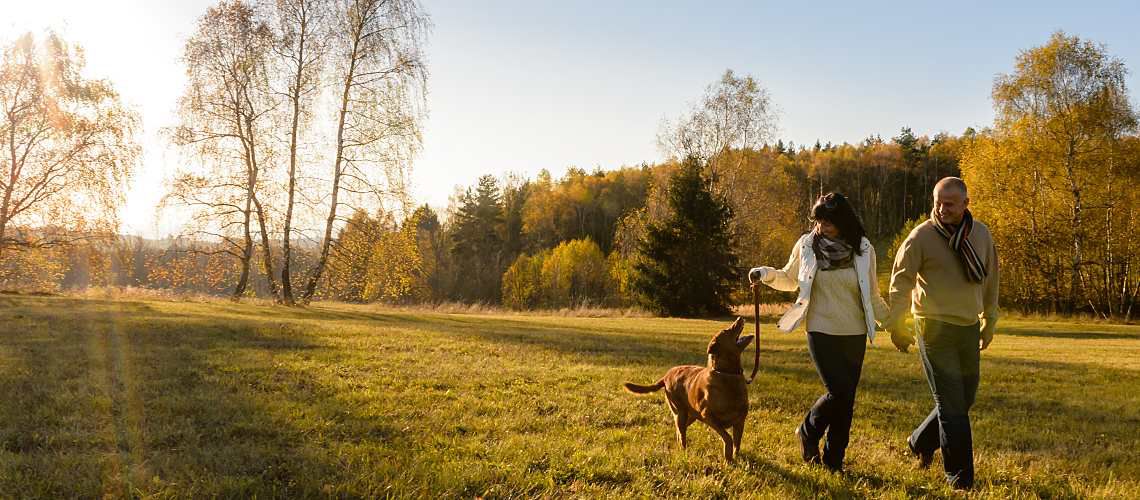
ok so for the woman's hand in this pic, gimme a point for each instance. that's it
(757, 274)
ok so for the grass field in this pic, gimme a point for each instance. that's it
(165, 399)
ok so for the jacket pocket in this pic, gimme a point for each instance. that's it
(791, 319)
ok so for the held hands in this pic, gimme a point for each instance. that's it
(901, 338)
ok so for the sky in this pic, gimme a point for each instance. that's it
(521, 86)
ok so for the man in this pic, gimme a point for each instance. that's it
(946, 272)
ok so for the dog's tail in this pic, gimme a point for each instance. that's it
(645, 389)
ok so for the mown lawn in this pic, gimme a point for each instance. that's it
(165, 399)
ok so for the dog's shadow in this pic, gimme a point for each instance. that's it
(802, 483)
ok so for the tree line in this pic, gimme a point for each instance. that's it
(300, 119)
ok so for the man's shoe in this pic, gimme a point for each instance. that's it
(924, 459)
(809, 451)
(835, 468)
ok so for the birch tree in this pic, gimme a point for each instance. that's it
(375, 47)
(67, 147)
(301, 26)
(735, 112)
(225, 112)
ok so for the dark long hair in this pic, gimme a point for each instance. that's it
(834, 208)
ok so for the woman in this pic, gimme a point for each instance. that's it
(833, 267)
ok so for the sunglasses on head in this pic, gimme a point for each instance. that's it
(830, 201)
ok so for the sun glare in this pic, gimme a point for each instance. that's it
(147, 76)
(20, 17)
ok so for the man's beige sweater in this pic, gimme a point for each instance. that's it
(930, 279)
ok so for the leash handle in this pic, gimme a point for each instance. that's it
(756, 315)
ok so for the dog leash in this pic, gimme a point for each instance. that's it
(756, 314)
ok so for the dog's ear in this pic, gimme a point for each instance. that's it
(742, 342)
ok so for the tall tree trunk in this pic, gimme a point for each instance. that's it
(295, 98)
(253, 172)
(1035, 246)
(266, 251)
(1076, 223)
(247, 252)
(330, 221)
(286, 247)
(4, 216)
(906, 185)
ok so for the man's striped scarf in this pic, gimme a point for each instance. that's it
(960, 243)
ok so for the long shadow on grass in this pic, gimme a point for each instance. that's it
(47, 415)
(1084, 407)
(108, 400)
(1070, 334)
(601, 345)
(807, 485)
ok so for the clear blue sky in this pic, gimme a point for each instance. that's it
(518, 86)
(525, 85)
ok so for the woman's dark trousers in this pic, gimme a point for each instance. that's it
(950, 358)
(839, 361)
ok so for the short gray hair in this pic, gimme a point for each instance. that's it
(952, 182)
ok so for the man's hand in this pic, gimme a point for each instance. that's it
(901, 338)
(988, 327)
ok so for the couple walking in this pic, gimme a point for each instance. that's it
(945, 272)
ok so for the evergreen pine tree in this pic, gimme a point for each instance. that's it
(688, 267)
(477, 242)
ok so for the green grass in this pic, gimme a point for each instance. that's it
(166, 399)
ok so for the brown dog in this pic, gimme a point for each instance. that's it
(716, 394)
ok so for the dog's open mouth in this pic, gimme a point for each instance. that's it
(737, 329)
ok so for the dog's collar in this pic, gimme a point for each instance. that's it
(735, 374)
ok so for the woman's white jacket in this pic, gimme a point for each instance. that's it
(800, 272)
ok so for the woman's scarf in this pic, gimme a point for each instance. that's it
(831, 254)
(960, 244)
